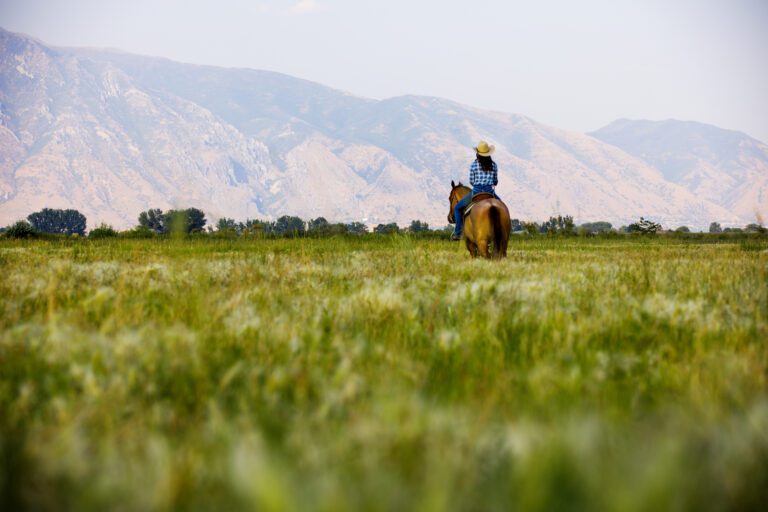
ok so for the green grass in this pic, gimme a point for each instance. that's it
(383, 373)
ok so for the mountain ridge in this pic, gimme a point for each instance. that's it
(726, 166)
(135, 132)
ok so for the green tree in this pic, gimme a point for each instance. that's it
(683, 229)
(227, 224)
(559, 225)
(715, 228)
(387, 229)
(189, 220)
(568, 227)
(153, 219)
(195, 220)
(418, 226)
(288, 225)
(357, 228)
(66, 222)
(319, 226)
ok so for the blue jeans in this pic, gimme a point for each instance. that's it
(458, 210)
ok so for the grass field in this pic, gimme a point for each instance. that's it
(383, 374)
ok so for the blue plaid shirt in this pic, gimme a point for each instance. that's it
(478, 178)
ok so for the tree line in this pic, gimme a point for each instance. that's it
(156, 222)
(193, 220)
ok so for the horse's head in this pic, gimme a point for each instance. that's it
(457, 192)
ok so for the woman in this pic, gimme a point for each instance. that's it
(483, 176)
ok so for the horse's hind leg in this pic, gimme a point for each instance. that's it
(471, 247)
(483, 249)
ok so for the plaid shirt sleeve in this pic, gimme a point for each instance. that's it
(474, 170)
(479, 177)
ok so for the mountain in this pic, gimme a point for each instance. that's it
(112, 134)
(726, 167)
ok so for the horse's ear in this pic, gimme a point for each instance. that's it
(453, 185)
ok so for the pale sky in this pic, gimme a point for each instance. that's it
(573, 64)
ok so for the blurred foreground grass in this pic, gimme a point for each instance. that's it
(383, 374)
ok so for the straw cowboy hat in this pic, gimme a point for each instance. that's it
(483, 149)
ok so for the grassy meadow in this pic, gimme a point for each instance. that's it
(383, 373)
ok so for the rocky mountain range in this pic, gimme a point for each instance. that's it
(112, 134)
(725, 167)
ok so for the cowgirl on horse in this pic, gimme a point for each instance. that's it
(483, 176)
(488, 221)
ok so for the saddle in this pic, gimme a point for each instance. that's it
(480, 196)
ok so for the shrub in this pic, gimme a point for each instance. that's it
(755, 228)
(103, 231)
(596, 227)
(22, 229)
(254, 228)
(137, 232)
(531, 228)
(226, 233)
(644, 227)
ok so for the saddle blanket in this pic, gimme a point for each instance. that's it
(480, 196)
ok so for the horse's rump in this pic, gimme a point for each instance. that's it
(490, 224)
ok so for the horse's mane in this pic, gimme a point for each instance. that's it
(460, 185)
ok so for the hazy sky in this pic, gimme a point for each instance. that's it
(574, 64)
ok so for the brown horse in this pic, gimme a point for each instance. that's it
(487, 222)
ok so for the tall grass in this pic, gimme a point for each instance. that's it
(383, 373)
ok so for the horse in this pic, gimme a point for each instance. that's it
(488, 221)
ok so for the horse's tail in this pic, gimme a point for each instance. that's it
(498, 231)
